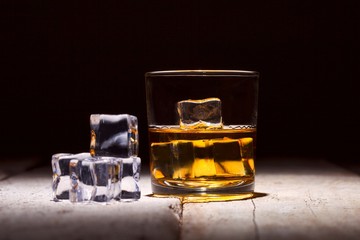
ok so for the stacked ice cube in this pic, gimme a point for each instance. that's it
(110, 171)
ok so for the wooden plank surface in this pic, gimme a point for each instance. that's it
(304, 200)
(298, 199)
(27, 212)
(308, 199)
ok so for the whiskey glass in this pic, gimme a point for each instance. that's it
(202, 131)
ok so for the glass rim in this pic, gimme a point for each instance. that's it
(232, 73)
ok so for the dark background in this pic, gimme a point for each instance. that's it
(61, 62)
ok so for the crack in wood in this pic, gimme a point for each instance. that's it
(178, 210)
(257, 235)
(308, 204)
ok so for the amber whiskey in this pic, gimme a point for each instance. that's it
(202, 160)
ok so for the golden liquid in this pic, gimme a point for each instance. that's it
(202, 159)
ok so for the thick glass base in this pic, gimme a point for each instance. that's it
(169, 188)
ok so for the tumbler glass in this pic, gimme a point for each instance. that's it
(202, 130)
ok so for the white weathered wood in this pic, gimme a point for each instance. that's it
(308, 200)
(305, 200)
(27, 212)
(218, 220)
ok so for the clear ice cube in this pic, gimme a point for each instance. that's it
(226, 149)
(183, 152)
(81, 180)
(107, 178)
(227, 157)
(162, 159)
(247, 147)
(203, 114)
(60, 167)
(114, 135)
(95, 179)
(130, 188)
(204, 165)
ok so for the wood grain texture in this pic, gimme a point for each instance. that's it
(27, 212)
(300, 199)
(305, 200)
